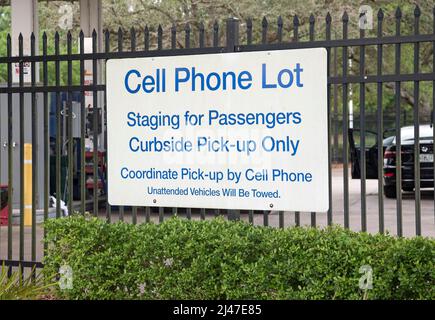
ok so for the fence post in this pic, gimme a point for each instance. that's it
(232, 34)
(232, 43)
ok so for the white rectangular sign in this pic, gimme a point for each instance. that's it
(231, 131)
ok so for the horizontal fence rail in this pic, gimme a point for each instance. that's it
(73, 177)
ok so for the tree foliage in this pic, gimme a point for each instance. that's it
(125, 15)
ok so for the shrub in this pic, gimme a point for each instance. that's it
(218, 259)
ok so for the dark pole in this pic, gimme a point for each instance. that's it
(232, 43)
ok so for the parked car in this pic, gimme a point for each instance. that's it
(407, 152)
(371, 152)
(389, 163)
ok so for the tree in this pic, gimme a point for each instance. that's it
(125, 15)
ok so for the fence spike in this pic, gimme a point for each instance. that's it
(249, 23)
(280, 22)
(94, 33)
(295, 20)
(264, 22)
(107, 40)
(345, 17)
(380, 14)
(201, 34)
(159, 37)
(417, 11)
(312, 19)
(398, 13)
(328, 18)
(215, 33)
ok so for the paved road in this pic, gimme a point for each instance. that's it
(408, 205)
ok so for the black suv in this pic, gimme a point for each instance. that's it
(389, 164)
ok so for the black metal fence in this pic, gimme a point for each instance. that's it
(81, 183)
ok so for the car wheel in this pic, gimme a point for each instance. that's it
(390, 191)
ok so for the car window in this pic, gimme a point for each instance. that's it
(370, 138)
(388, 141)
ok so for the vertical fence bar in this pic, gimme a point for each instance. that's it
(345, 20)
(264, 25)
(146, 39)
(173, 36)
(46, 137)
(312, 21)
(279, 35)
(10, 151)
(398, 17)
(96, 158)
(132, 39)
(82, 127)
(279, 25)
(133, 48)
(35, 162)
(215, 34)
(187, 36)
(215, 44)
(162, 214)
(147, 214)
(159, 38)
(296, 39)
(201, 45)
(58, 127)
(362, 102)
(22, 124)
(173, 47)
(146, 48)
(120, 49)
(417, 125)
(249, 42)
(69, 117)
(380, 129)
(232, 37)
(249, 31)
(201, 35)
(187, 46)
(328, 38)
(160, 47)
(108, 206)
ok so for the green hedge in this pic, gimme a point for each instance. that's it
(217, 259)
